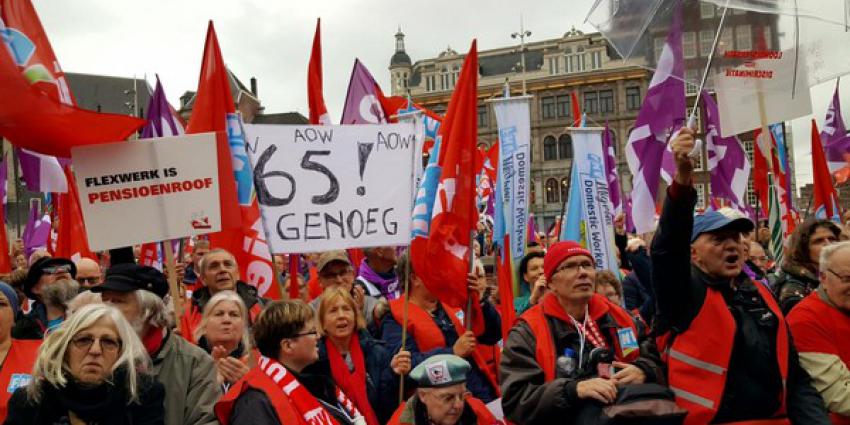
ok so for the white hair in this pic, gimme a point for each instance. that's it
(51, 368)
(154, 311)
(828, 251)
(217, 299)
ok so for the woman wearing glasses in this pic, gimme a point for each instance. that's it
(90, 370)
(278, 391)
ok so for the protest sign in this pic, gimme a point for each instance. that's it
(768, 78)
(333, 187)
(148, 190)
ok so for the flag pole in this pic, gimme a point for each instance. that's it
(471, 270)
(406, 280)
(173, 288)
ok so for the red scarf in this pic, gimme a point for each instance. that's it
(153, 340)
(305, 403)
(353, 383)
(552, 307)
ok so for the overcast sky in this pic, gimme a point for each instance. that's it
(271, 40)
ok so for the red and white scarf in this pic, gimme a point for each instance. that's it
(353, 383)
(305, 403)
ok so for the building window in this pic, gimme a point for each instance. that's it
(580, 62)
(726, 42)
(659, 46)
(691, 81)
(550, 148)
(744, 37)
(606, 101)
(482, 116)
(633, 98)
(532, 196)
(547, 107)
(563, 102)
(552, 191)
(706, 10)
(706, 40)
(591, 102)
(568, 64)
(689, 45)
(455, 74)
(553, 65)
(565, 146)
(768, 42)
(431, 83)
(595, 60)
(444, 79)
(700, 188)
(565, 185)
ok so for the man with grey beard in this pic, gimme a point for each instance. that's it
(186, 371)
(56, 297)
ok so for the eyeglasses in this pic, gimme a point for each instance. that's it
(65, 268)
(299, 335)
(107, 345)
(843, 279)
(574, 267)
(90, 280)
(452, 398)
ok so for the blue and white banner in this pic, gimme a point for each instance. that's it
(514, 172)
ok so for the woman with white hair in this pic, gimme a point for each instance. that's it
(92, 369)
(224, 334)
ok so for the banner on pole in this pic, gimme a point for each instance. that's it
(148, 190)
(333, 187)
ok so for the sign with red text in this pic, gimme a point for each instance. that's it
(148, 190)
(333, 187)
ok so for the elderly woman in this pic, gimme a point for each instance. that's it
(223, 333)
(357, 363)
(90, 370)
(16, 355)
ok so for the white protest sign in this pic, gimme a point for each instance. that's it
(148, 190)
(333, 187)
(771, 78)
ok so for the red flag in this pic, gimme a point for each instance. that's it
(761, 151)
(442, 259)
(294, 288)
(43, 117)
(5, 259)
(315, 96)
(504, 276)
(149, 254)
(72, 241)
(576, 109)
(214, 111)
(825, 200)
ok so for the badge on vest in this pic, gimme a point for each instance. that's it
(628, 341)
(18, 380)
(459, 315)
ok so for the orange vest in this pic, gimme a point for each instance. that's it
(698, 359)
(258, 380)
(597, 307)
(16, 370)
(191, 318)
(426, 333)
(485, 417)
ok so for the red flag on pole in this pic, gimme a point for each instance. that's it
(72, 241)
(576, 109)
(442, 259)
(315, 94)
(214, 111)
(825, 202)
(5, 259)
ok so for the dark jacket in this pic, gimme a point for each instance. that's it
(528, 399)
(476, 382)
(381, 382)
(105, 404)
(753, 380)
(791, 284)
(31, 325)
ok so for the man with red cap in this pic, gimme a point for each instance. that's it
(572, 349)
(726, 346)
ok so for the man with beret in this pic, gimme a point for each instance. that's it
(335, 270)
(186, 371)
(43, 272)
(441, 397)
(728, 353)
(574, 348)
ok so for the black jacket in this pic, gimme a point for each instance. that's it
(381, 382)
(31, 325)
(791, 284)
(105, 404)
(753, 381)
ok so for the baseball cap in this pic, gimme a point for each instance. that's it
(328, 257)
(713, 221)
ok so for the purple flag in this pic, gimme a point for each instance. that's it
(727, 160)
(627, 209)
(4, 174)
(361, 103)
(36, 232)
(42, 173)
(161, 120)
(834, 135)
(611, 171)
(662, 113)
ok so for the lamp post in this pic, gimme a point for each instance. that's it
(522, 34)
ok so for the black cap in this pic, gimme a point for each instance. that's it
(131, 277)
(36, 271)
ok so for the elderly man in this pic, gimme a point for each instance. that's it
(820, 324)
(558, 358)
(441, 397)
(43, 272)
(218, 272)
(377, 272)
(334, 269)
(727, 349)
(88, 273)
(187, 372)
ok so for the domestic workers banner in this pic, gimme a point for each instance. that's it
(333, 187)
(148, 190)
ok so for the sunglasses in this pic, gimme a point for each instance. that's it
(64, 268)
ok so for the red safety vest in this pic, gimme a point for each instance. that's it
(16, 370)
(426, 333)
(191, 318)
(485, 417)
(598, 307)
(256, 379)
(698, 359)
